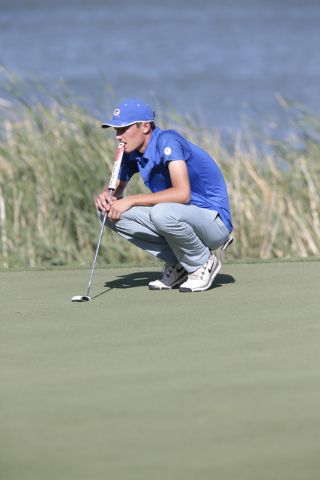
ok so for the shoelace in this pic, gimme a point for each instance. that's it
(198, 274)
(167, 269)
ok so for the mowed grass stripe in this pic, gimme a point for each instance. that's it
(141, 384)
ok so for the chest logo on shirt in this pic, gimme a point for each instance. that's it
(116, 113)
(167, 151)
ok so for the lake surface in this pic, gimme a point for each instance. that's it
(217, 60)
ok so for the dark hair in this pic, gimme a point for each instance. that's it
(152, 124)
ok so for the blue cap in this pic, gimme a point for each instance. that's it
(129, 112)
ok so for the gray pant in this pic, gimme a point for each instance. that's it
(173, 232)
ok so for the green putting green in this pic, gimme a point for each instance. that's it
(147, 385)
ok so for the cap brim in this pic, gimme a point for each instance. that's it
(120, 124)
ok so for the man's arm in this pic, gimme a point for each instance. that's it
(178, 193)
(103, 201)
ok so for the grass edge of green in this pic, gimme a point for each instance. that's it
(243, 261)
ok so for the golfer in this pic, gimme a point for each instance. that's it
(185, 217)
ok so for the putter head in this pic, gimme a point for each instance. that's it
(79, 298)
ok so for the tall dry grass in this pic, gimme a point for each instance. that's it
(55, 159)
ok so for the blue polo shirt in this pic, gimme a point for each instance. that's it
(208, 188)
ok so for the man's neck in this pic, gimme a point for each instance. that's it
(143, 147)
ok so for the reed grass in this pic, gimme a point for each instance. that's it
(55, 159)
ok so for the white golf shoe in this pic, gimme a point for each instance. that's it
(202, 278)
(172, 277)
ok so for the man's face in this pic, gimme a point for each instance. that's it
(133, 137)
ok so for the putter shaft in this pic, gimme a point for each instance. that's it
(95, 257)
(112, 187)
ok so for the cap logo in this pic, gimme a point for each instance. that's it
(167, 151)
(116, 113)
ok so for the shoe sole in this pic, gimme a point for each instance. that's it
(172, 287)
(202, 289)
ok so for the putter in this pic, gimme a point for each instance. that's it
(112, 187)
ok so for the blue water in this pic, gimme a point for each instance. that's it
(218, 60)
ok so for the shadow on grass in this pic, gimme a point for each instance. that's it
(222, 279)
(142, 279)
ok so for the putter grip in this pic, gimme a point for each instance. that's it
(116, 168)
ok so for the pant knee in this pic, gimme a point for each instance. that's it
(160, 216)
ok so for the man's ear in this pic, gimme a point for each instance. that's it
(146, 127)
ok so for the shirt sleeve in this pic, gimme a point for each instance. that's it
(128, 168)
(172, 146)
